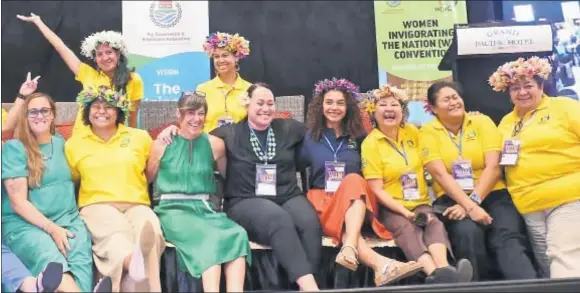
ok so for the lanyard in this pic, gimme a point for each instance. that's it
(519, 126)
(403, 153)
(225, 94)
(460, 137)
(264, 151)
(334, 152)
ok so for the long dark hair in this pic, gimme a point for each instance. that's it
(122, 75)
(351, 123)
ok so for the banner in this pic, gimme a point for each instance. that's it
(504, 39)
(164, 40)
(412, 37)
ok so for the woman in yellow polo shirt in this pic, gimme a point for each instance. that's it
(461, 152)
(225, 90)
(541, 156)
(109, 160)
(108, 52)
(392, 167)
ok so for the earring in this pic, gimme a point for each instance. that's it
(237, 67)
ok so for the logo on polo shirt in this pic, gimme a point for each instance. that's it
(125, 142)
(352, 145)
(425, 152)
(410, 143)
(471, 135)
(545, 119)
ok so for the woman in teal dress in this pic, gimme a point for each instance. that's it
(184, 173)
(40, 218)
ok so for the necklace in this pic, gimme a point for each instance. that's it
(259, 149)
(51, 151)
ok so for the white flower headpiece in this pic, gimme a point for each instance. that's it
(113, 38)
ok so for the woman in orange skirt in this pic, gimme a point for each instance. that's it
(338, 192)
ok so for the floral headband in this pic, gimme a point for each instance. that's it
(112, 97)
(334, 84)
(372, 97)
(511, 72)
(114, 39)
(236, 44)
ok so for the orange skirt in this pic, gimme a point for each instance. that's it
(331, 208)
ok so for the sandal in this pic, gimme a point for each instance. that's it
(394, 271)
(50, 278)
(348, 261)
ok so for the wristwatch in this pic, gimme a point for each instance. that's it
(475, 197)
(20, 96)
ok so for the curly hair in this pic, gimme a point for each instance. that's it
(399, 95)
(351, 123)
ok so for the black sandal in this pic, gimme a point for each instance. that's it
(50, 279)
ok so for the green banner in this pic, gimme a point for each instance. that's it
(412, 37)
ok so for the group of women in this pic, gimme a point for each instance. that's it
(227, 126)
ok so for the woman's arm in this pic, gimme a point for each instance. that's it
(388, 201)
(69, 57)
(17, 189)
(490, 175)
(157, 151)
(28, 87)
(219, 154)
(134, 113)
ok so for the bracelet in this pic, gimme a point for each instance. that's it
(20, 96)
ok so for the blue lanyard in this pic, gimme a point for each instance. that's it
(460, 136)
(334, 152)
(403, 153)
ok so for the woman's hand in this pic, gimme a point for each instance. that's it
(456, 213)
(60, 236)
(33, 18)
(29, 86)
(167, 134)
(408, 214)
(479, 215)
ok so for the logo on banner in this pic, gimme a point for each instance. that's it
(446, 5)
(165, 13)
(393, 3)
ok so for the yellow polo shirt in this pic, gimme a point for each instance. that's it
(88, 76)
(547, 173)
(112, 171)
(4, 116)
(381, 161)
(218, 95)
(480, 135)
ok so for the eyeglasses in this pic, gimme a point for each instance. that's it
(192, 93)
(33, 113)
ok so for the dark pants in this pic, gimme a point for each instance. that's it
(291, 229)
(504, 243)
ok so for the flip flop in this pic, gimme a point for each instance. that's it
(104, 285)
(348, 261)
(50, 278)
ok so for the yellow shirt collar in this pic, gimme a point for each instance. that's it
(543, 104)
(239, 84)
(121, 129)
(437, 124)
(376, 134)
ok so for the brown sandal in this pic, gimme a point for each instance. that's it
(394, 271)
(348, 261)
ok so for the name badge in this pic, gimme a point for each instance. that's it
(510, 152)
(463, 174)
(333, 175)
(410, 186)
(265, 180)
(225, 120)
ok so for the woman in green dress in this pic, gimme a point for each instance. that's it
(40, 218)
(184, 174)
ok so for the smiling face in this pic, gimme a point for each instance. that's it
(106, 58)
(191, 121)
(224, 61)
(262, 107)
(526, 94)
(448, 104)
(40, 116)
(103, 115)
(388, 112)
(334, 106)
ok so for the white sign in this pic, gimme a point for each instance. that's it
(504, 39)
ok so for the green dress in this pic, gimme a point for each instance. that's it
(55, 199)
(202, 236)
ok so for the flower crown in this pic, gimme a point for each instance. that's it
(112, 97)
(114, 39)
(372, 97)
(510, 72)
(236, 44)
(334, 84)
